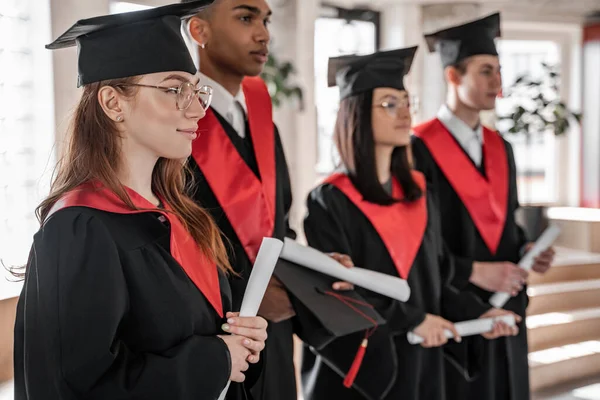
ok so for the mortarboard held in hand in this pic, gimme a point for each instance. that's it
(132, 43)
(324, 315)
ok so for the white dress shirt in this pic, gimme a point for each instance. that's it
(232, 108)
(470, 140)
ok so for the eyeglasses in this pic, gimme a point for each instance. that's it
(393, 106)
(186, 92)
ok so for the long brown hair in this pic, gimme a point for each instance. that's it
(353, 137)
(93, 153)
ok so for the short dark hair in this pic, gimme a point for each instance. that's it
(461, 66)
(354, 140)
(205, 13)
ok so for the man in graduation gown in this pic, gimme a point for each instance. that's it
(473, 172)
(240, 168)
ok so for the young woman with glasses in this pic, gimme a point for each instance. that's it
(126, 293)
(380, 212)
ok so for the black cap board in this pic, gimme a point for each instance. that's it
(132, 43)
(355, 74)
(460, 42)
(321, 317)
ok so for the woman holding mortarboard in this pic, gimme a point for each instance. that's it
(125, 290)
(381, 214)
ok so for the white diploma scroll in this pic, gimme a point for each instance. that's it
(468, 328)
(386, 285)
(545, 241)
(267, 257)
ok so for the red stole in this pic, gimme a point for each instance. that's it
(486, 200)
(248, 202)
(184, 249)
(400, 226)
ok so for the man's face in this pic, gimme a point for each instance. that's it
(481, 83)
(239, 36)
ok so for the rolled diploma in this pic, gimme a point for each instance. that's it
(468, 328)
(267, 257)
(386, 285)
(546, 240)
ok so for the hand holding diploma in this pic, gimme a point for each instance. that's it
(505, 323)
(346, 261)
(489, 325)
(435, 331)
(543, 245)
(248, 330)
(386, 285)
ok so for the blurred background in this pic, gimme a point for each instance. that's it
(550, 56)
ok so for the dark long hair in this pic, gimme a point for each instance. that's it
(353, 136)
(94, 153)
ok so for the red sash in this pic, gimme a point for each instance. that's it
(184, 249)
(400, 226)
(248, 202)
(486, 200)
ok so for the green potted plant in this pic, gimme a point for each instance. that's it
(277, 76)
(537, 110)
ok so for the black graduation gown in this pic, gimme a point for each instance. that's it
(278, 380)
(392, 367)
(107, 313)
(506, 372)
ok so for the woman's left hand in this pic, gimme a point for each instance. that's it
(254, 329)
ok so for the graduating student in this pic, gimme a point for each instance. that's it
(240, 168)
(384, 217)
(125, 291)
(472, 170)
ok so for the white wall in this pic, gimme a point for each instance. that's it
(292, 32)
(65, 13)
(591, 123)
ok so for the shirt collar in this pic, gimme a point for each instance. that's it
(459, 129)
(222, 101)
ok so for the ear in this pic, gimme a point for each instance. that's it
(453, 76)
(199, 31)
(112, 103)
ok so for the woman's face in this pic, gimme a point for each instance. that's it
(391, 118)
(152, 120)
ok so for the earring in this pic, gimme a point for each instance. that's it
(202, 45)
(119, 118)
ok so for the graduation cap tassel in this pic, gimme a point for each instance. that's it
(360, 354)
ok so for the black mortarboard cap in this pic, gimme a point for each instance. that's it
(321, 317)
(355, 74)
(470, 39)
(335, 328)
(132, 43)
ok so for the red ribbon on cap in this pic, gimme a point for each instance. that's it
(360, 354)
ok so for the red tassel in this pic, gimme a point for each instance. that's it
(360, 354)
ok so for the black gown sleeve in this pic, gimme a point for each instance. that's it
(466, 357)
(76, 299)
(457, 305)
(328, 227)
(282, 169)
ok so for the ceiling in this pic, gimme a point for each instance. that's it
(556, 10)
(525, 8)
